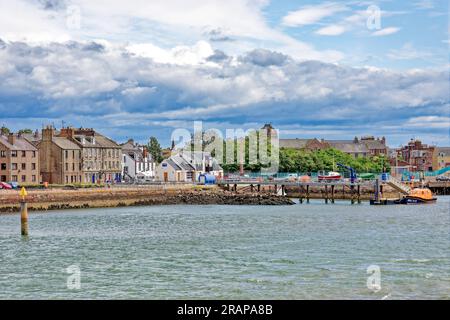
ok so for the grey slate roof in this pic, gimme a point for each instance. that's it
(374, 144)
(95, 141)
(443, 150)
(65, 143)
(21, 144)
(195, 159)
(293, 143)
(348, 146)
(183, 163)
(173, 164)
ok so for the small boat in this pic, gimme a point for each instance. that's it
(331, 176)
(419, 195)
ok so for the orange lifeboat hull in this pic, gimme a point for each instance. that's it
(419, 195)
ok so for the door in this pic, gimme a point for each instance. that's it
(179, 176)
(166, 177)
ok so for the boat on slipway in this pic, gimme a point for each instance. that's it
(419, 195)
(331, 176)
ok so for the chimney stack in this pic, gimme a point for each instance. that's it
(12, 139)
(67, 132)
(47, 134)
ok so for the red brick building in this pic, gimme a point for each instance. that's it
(418, 155)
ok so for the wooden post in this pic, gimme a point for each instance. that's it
(300, 191)
(259, 188)
(332, 193)
(23, 213)
(24, 218)
(307, 193)
(352, 191)
(282, 190)
(276, 188)
(326, 193)
(359, 194)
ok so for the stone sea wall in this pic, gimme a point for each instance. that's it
(142, 196)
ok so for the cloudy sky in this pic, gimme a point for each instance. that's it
(137, 68)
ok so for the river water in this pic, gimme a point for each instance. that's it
(308, 251)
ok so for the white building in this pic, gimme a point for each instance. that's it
(187, 166)
(137, 162)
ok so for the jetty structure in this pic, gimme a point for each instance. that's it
(387, 190)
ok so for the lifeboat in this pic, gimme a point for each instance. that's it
(419, 195)
(331, 176)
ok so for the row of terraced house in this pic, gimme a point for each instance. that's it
(69, 156)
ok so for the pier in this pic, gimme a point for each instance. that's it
(304, 191)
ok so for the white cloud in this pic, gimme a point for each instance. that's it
(408, 52)
(424, 4)
(163, 24)
(311, 14)
(182, 55)
(385, 31)
(105, 85)
(333, 30)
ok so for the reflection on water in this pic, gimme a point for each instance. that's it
(308, 251)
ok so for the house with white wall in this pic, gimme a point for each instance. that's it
(186, 166)
(137, 162)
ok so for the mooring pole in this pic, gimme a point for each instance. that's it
(359, 194)
(352, 191)
(300, 191)
(326, 193)
(332, 193)
(23, 213)
(307, 193)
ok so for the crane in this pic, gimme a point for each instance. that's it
(352, 171)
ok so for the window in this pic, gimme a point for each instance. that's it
(73, 166)
(24, 154)
(33, 178)
(67, 167)
(3, 166)
(33, 154)
(73, 154)
(14, 154)
(3, 178)
(3, 154)
(24, 178)
(13, 166)
(14, 178)
(24, 166)
(66, 153)
(33, 166)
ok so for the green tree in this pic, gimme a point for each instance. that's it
(4, 130)
(25, 131)
(154, 148)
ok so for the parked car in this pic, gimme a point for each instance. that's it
(442, 178)
(6, 186)
(14, 185)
